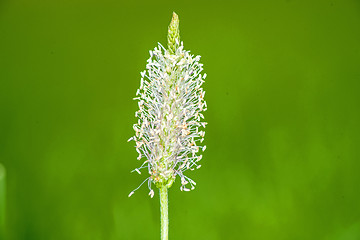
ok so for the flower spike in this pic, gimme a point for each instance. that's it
(168, 133)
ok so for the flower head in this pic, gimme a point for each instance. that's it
(169, 133)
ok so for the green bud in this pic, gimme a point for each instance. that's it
(173, 34)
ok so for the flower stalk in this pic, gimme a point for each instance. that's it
(164, 213)
(2, 200)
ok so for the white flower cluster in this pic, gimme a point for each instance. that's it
(168, 131)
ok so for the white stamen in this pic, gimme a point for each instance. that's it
(151, 193)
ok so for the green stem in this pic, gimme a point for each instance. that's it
(2, 200)
(164, 213)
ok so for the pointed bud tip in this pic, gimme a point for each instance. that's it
(175, 17)
(174, 24)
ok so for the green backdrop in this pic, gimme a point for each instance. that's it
(283, 93)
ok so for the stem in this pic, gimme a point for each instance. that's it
(164, 213)
(2, 200)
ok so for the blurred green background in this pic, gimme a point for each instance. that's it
(283, 93)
